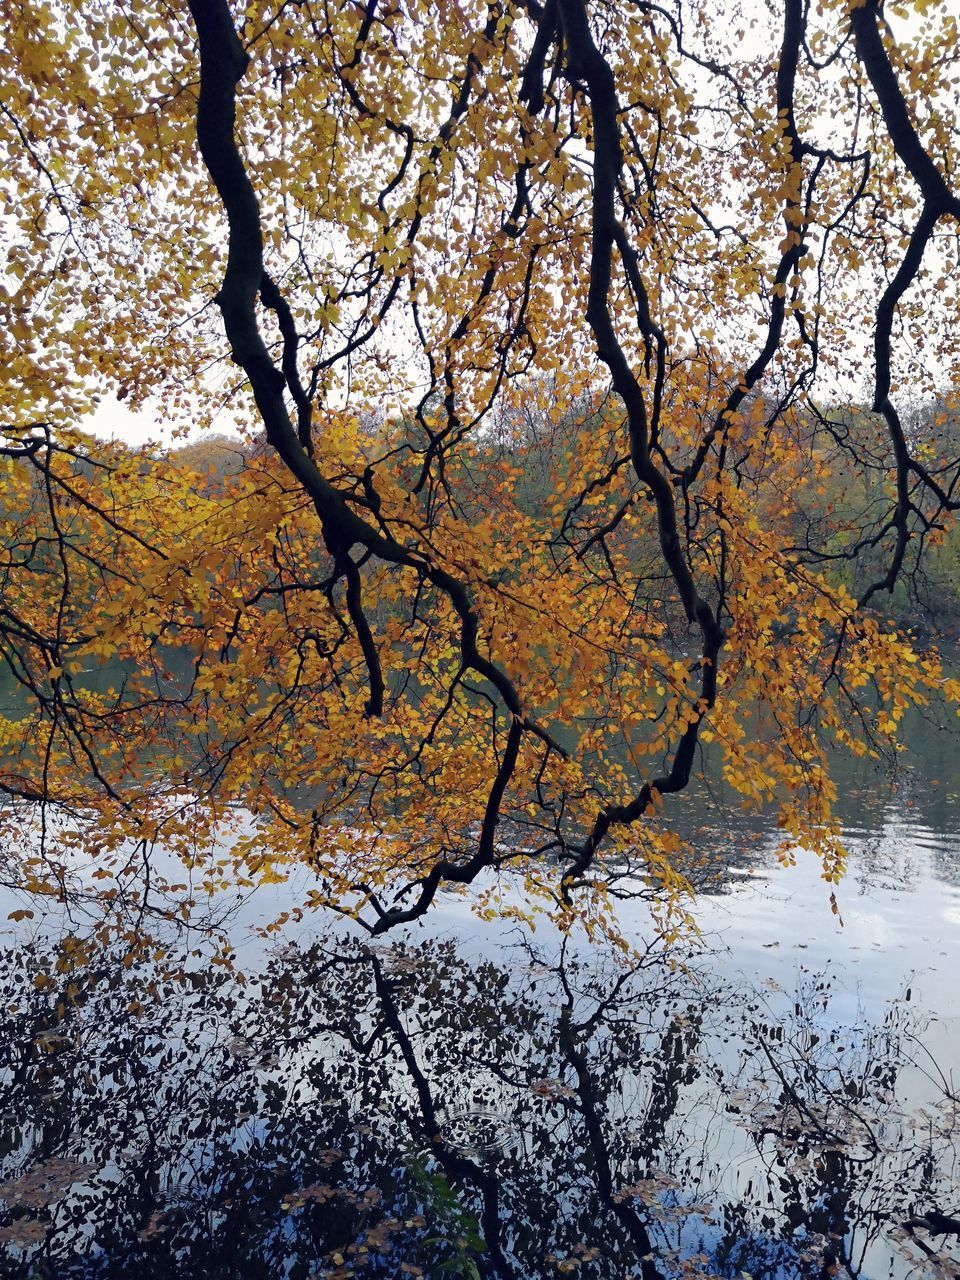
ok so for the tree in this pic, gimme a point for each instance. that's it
(641, 252)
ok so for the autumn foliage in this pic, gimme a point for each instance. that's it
(553, 334)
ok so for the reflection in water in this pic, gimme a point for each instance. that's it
(407, 1110)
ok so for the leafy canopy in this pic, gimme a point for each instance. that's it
(570, 345)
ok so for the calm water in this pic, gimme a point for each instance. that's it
(471, 1099)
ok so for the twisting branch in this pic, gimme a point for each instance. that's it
(585, 62)
(223, 62)
(939, 202)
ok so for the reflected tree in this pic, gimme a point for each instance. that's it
(410, 1111)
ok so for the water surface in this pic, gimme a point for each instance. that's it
(469, 1098)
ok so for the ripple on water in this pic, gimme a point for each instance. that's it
(474, 1130)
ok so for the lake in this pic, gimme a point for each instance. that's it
(468, 1098)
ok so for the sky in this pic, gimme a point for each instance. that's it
(114, 421)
